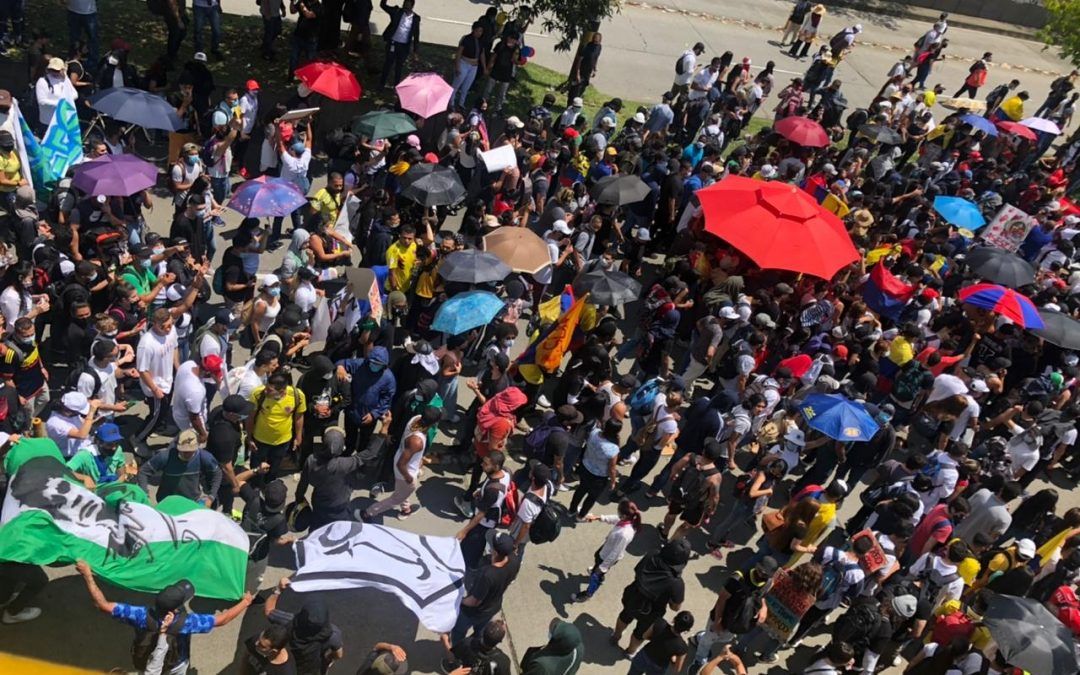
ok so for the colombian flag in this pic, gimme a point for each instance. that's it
(885, 294)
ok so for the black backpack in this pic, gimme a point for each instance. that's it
(693, 484)
(72, 382)
(858, 625)
(146, 640)
(741, 610)
(547, 526)
(680, 69)
(727, 368)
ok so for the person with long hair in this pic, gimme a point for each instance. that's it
(794, 591)
(625, 525)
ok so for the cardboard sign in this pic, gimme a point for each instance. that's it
(298, 114)
(874, 559)
(1008, 229)
(499, 159)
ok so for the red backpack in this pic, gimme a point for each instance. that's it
(955, 626)
(510, 505)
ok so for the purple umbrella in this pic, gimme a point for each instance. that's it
(115, 176)
(265, 196)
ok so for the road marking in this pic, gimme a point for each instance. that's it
(470, 23)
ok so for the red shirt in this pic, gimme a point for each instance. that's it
(934, 525)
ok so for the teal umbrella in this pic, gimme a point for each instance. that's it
(466, 311)
(382, 124)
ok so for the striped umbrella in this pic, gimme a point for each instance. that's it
(1004, 301)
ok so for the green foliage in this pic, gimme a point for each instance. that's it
(1063, 28)
(568, 20)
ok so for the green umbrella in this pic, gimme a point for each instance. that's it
(382, 124)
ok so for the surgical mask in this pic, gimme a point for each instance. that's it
(28, 283)
(375, 367)
(112, 334)
(274, 292)
(146, 263)
(93, 277)
(192, 160)
(29, 342)
(508, 343)
(329, 376)
(699, 145)
(158, 250)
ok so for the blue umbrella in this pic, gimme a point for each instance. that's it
(266, 196)
(839, 417)
(136, 106)
(959, 212)
(466, 311)
(980, 123)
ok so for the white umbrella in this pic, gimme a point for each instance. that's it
(1041, 124)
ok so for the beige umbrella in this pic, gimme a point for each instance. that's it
(961, 103)
(518, 247)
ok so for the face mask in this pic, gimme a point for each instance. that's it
(375, 367)
(112, 334)
(146, 263)
(158, 250)
(699, 145)
(329, 376)
(508, 343)
(192, 160)
(202, 213)
(93, 277)
(274, 292)
(28, 342)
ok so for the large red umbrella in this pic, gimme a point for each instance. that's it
(1017, 129)
(330, 79)
(777, 225)
(803, 131)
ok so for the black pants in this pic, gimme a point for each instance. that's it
(160, 413)
(971, 90)
(396, 55)
(20, 583)
(272, 455)
(472, 547)
(590, 487)
(356, 435)
(812, 618)
(795, 48)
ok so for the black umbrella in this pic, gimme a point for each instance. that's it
(432, 185)
(473, 266)
(1029, 636)
(136, 106)
(880, 133)
(620, 190)
(1060, 329)
(608, 288)
(1000, 266)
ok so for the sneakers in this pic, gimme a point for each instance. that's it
(543, 401)
(563, 487)
(377, 489)
(771, 658)
(28, 614)
(464, 506)
(579, 597)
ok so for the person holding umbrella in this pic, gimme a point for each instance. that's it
(295, 164)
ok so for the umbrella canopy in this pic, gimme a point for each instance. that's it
(519, 247)
(1004, 301)
(425, 94)
(432, 185)
(608, 288)
(777, 225)
(838, 417)
(466, 311)
(136, 106)
(1029, 636)
(803, 131)
(620, 190)
(879, 133)
(330, 79)
(1000, 266)
(266, 196)
(473, 267)
(115, 176)
(382, 124)
(1016, 129)
(1059, 329)
(959, 212)
(1041, 124)
(963, 103)
(980, 123)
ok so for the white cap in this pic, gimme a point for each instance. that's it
(643, 234)
(514, 122)
(979, 386)
(269, 280)
(829, 169)
(639, 118)
(174, 293)
(577, 102)
(113, 61)
(768, 171)
(607, 122)
(728, 313)
(561, 227)
(200, 57)
(1025, 548)
(795, 436)
(188, 441)
(76, 402)
(219, 118)
(66, 267)
(857, 28)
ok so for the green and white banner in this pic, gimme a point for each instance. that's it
(49, 516)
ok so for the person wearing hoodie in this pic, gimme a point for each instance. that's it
(326, 397)
(495, 421)
(373, 388)
(562, 655)
(657, 585)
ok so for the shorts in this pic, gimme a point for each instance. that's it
(636, 607)
(691, 513)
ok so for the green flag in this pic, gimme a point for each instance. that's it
(49, 516)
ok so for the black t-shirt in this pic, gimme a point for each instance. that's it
(191, 229)
(257, 520)
(490, 585)
(990, 347)
(308, 29)
(254, 663)
(502, 68)
(232, 266)
(77, 341)
(470, 46)
(665, 644)
(331, 481)
(224, 437)
(472, 653)
(557, 444)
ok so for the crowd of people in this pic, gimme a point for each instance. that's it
(688, 399)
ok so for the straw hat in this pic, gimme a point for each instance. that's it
(818, 9)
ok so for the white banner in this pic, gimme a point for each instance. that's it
(426, 573)
(1008, 229)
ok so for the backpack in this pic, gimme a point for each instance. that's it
(693, 484)
(858, 625)
(832, 577)
(908, 383)
(741, 611)
(728, 368)
(929, 588)
(742, 484)
(838, 42)
(955, 626)
(547, 525)
(72, 382)
(206, 153)
(509, 507)
(880, 491)
(641, 401)
(218, 281)
(536, 440)
(256, 526)
(680, 69)
(146, 639)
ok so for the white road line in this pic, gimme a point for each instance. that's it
(470, 23)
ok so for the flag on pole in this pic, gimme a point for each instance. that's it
(62, 145)
(33, 156)
(49, 516)
(550, 350)
(13, 124)
(426, 573)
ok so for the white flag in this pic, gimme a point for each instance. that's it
(426, 573)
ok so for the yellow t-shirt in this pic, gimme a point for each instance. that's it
(1014, 108)
(11, 168)
(274, 417)
(327, 206)
(400, 261)
(900, 351)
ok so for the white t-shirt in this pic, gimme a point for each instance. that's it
(689, 60)
(305, 296)
(545, 275)
(189, 396)
(58, 426)
(106, 390)
(529, 509)
(706, 79)
(294, 169)
(940, 570)
(155, 356)
(12, 304)
(969, 664)
(249, 107)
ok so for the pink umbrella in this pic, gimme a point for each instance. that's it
(425, 94)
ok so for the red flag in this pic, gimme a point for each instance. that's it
(888, 284)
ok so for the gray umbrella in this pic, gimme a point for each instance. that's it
(1059, 329)
(1029, 636)
(473, 267)
(432, 185)
(608, 288)
(879, 133)
(620, 190)
(136, 106)
(1000, 266)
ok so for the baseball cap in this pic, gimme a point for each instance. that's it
(140, 250)
(561, 227)
(783, 289)
(764, 320)
(503, 544)
(109, 433)
(905, 605)
(676, 383)
(728, 312)
(200, 57)
(514, 122)
(767, 567)
(56, 63)
(212, 364)
(173, 596)
(979, 386)
(188, 441)
(386, 664)
(220, 118)
(413, 140)
(251, 85)
(795, 436)
(607, 122)
(237, 405)
(76, 402)
(223, 317)
(639, 118)
(269, 280)
(577, 102)
(1025, 548)
(274, 496)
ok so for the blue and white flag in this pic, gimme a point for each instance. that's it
(62, 144)
(33, 156)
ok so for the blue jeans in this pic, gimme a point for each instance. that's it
(220, 187)
(202, 15)
(746, 643)
(85, 23)
(208, 235)
(303, 50)
(466, 622)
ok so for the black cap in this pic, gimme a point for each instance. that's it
(431, 416)
(503, 544)
(568, 414)
(173, 597)
(7, 140)
(275, 495)
(541, 473)
(141, 250)
(237, 405)
(223, 317)
(767, 567)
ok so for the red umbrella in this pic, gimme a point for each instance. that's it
(803, 131)
(1004, 301)
(777, 225)
(330, 79)
(1016, 128)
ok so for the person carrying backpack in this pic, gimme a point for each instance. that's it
(166, 621)
(550, 441)
(843, 580)
(657, 586)
(740, 606)
(695, 491)
(869, 625)
(492, 503)
(531, 507)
